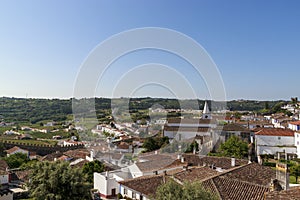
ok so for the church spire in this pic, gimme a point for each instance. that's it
(206, 111)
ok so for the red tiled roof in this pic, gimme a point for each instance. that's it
(146, 185)
(154, 165)
(275, 132)
(234, 127)
(295, 122)
(291, 194)
(250, 181)
(221, 162)
(230, 189)
(123, 145)
(77, 153)
(11, 150)
(195, 174)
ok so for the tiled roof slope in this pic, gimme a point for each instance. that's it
(145, 184)
(195, 174)
(154, 165)
(250, 181)
(229, 189)
(234, 127)
(295, 122)
(222, 162)
(291, 194)
(275, 132)
(252, 173)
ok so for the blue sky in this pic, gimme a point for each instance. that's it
(255, 44)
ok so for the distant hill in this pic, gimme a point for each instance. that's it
(35, 110)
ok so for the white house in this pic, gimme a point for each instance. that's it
(106, 183)
(297, 142)
(142, 188)
(15, 150)
(273, 141)
(31, 155)
(294, 125)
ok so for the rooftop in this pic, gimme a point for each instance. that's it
(221, 162)
(295, 122)
(291, 194)
(145, 184)
(15, 148)
(235, 127)
(275, 132)
(196, 173)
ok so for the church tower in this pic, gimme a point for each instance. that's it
(206, 112)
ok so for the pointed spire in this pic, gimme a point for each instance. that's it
(206, 109)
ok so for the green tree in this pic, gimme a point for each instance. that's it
(58, 181)
(16, 160)
(91, 167)
(192, 146)
(295, 171)
(2, 152)
(169, 191)
(234, 147)
(188, 191)
(151, 144)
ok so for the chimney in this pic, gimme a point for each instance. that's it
(178, 156)
(232, 162)
(182, 159)
(156, 152)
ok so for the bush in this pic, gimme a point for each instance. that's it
(269, 164)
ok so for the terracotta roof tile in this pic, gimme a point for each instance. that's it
(146, 185)
(234, 127)
(196, 173)
(11, 150)
(275, 132)
(291, 194)
(295, 122)
(154, 165)
(221, 162)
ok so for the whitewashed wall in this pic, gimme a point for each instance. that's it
(3, 180)
(297, 143)
(274, 144)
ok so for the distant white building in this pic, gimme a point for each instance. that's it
(297, 143)
(106, 183)
(294, 125)
(273, 141)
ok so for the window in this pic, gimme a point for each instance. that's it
(297, 142)
(133, 195)
(279, 138)
(125, 191)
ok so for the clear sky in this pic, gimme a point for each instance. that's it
(255, 44)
